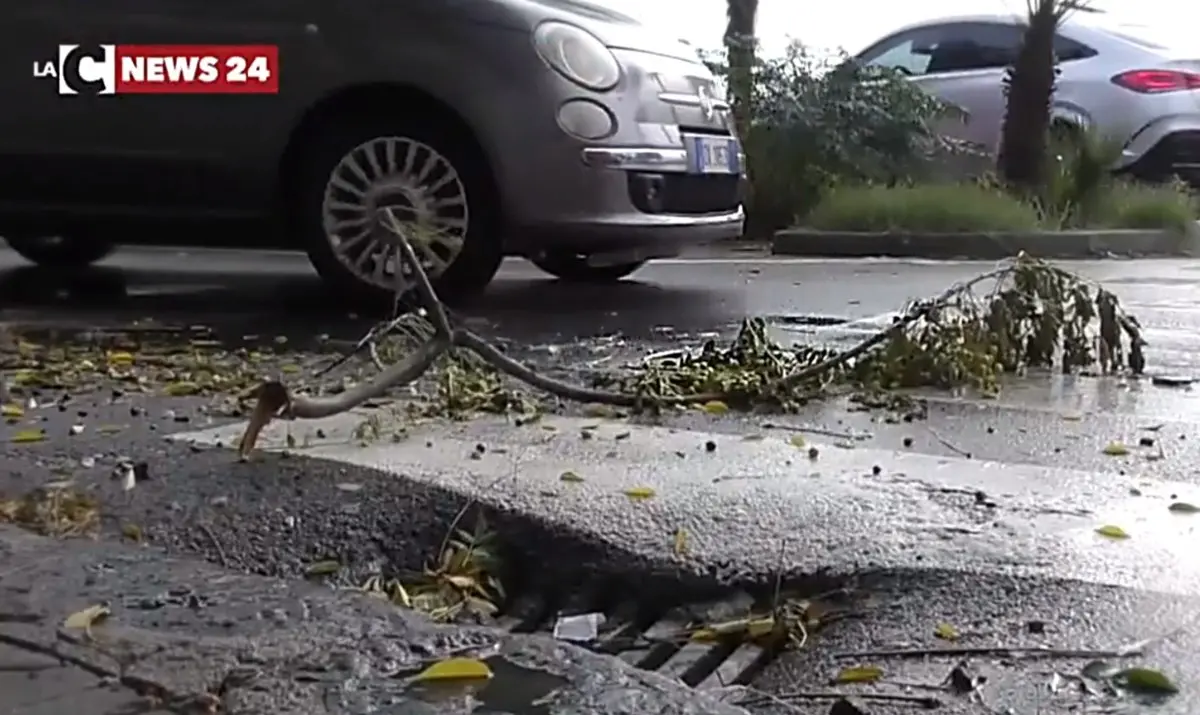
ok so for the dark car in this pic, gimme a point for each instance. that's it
(556, 130)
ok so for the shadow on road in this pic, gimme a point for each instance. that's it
(295, 305)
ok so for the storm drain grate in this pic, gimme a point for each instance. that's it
(640, 636)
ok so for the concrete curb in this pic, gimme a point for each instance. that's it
(986, 246)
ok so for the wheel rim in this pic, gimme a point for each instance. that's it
(425, 193)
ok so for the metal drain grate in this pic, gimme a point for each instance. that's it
(638, 636)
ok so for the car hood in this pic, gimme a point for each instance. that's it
(614, 28)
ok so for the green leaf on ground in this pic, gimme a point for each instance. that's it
(1182, 507)
(1116, 449)
(1145, 680)
(859, 674)
(1112, 532)
(26, 436)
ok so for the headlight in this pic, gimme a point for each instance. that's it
(577, 55)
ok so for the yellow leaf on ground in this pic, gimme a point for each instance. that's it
(88, 617)
(639, 492)
(133, 532)
(798, 441)
(859, 674)
(120, 357)
(681, 542)
(181, 389)
(759, 627)
(946, 632)
(600, 411)
(465, 583)
(454, 669)
(715, 407)
(28, 435)
(570, 477)
(323, 568)
(13, 412)
(1116, 449)
(749, 628)
(1112, 532)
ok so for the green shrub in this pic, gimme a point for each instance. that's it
(1077, 178)
(817, 123)
(933, 208)
(1131, 205)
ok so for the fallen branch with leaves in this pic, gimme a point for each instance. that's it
(1036, 316)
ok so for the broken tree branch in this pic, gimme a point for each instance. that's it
(273, 400)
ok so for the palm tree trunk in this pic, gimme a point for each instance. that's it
(739, 48)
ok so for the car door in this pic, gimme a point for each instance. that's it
(961, 63)
(166, 154)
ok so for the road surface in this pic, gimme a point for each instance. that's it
(983, 516)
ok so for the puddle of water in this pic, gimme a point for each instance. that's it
(512, 690)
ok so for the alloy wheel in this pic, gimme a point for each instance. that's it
(425, 193)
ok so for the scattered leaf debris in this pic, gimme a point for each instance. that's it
(454, 669)
(859, 674)
(1112, 532)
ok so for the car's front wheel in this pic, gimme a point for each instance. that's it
(60, 251)
(576, 269)
(438, 187)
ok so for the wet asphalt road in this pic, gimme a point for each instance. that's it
(243, 515)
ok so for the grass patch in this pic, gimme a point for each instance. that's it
(932, 208)
(1130, 205)
(976, 208)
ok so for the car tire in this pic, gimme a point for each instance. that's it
(60, 252)
(324, 161)
(575, 269)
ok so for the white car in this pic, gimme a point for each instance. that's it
(1118, 79)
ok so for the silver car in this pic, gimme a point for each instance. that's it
(557, 130)
(1117, 79)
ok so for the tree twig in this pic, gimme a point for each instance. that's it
(921, 701)
(947, 443)
(1010, 651)
(204, 528)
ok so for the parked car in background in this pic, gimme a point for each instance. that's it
(553, 129)
(1116, 79)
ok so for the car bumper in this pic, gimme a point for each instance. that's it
(1163, 148)
(1176, 154)
(636, 203)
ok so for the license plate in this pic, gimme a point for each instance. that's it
(712, 155)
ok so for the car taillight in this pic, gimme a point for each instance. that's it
(1157, 81)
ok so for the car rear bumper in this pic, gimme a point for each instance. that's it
(1164, 147)
(1175, 154)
